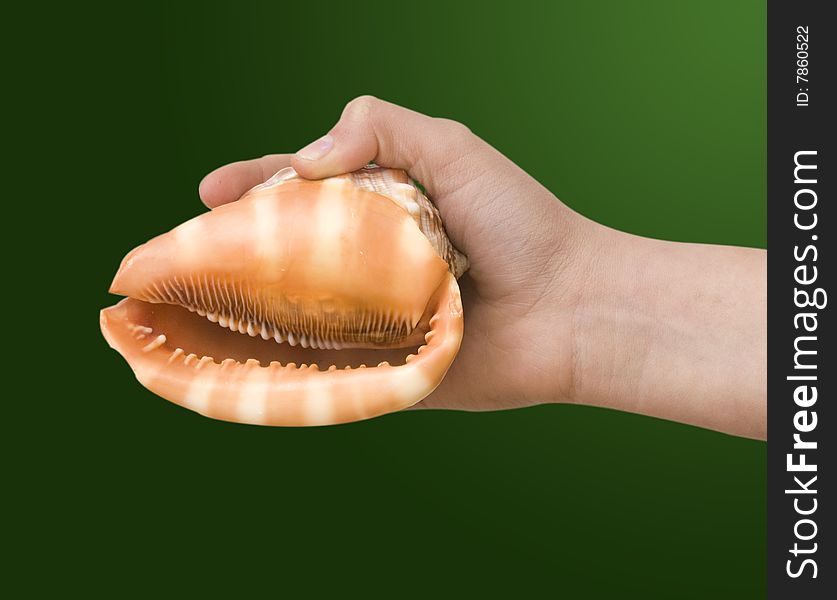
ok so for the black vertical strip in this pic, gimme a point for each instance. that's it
(801, 331)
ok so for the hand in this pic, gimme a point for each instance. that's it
(557, 307)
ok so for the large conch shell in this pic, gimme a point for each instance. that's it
(328, 275)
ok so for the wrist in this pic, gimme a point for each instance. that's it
(673, 330)
(614, 322)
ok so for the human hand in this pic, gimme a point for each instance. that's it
(557, 307)
(517, 349)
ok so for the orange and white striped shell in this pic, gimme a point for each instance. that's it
(267, 310)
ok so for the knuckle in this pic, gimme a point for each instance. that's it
(361, 107)
(455, 129)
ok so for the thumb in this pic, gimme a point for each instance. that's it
(392, 136)
(481, 194)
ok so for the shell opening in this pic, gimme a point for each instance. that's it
(192, 336)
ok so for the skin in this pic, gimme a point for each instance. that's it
(559, 308)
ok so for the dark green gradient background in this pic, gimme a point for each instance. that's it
(646, 116)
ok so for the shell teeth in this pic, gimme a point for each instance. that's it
(290, 365)
(429, 336)
(252, 362)
(256, 328)
(383, 364)
(228, 362)
(156, 343)
(409, 357)
(275, 364)
(200, 312)
(205, 360)
(332, 368)
(176, 354)
(189, 359)
(421, 349)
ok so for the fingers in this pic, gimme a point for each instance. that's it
(374, 130)
(228, 183)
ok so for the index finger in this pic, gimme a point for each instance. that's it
(228, 183)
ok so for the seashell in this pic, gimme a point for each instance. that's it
(333, 275)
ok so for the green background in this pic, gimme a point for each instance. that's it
(647, 116)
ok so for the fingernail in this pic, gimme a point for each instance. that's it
(317, 149)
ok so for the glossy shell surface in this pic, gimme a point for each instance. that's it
(275, 309)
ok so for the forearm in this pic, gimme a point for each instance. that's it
(676, 331)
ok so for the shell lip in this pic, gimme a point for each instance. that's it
(137, 330)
